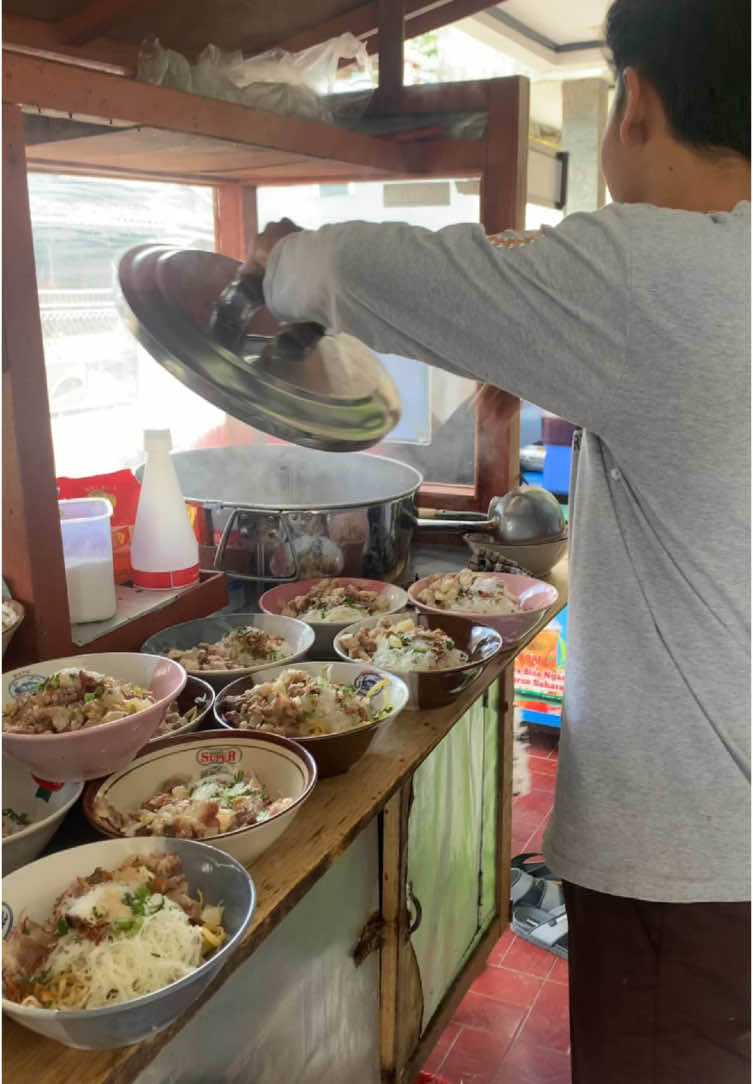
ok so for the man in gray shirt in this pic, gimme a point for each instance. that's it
(634, 323)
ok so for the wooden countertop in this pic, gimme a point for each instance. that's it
(336, 812)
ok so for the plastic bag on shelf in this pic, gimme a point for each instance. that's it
(289, 83)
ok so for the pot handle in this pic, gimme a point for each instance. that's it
(238, 304)
(439, 525)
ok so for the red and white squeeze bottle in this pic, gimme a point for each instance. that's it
(164, 550)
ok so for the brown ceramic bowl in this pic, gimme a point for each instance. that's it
(333, 753)
(434, 688)
(196, 693)
(539, 558)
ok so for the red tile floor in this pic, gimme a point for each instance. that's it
(512, 1027)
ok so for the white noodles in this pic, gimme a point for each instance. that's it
(164, 949)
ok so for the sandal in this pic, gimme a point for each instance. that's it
(536, 868)
(547, 929)
(529, 891)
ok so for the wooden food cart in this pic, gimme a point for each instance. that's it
(358, 954)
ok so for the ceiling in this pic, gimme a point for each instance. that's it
(563, 24)
(550, 39)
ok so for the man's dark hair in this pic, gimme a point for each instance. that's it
(696, 54)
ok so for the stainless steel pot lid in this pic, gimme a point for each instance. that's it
(327, 392)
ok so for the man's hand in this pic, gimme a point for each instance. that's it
(256, 260)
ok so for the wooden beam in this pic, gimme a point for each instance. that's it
(400, 1004)
(427, 19)
(38, 37)
(506, 713)
(362, 21)
(503, 206)
(96, 18)
(505, 181)
(32, 543)
(391, 21)
(96, 96)
(235, 219)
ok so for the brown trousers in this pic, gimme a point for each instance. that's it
(659, 992)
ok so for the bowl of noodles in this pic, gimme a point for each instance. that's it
(223, 647)
(511, 604)
(83, 717)
(187, 712)
(239, 793)
(106, 944)
(332, 709)
(328, 605)
(437, 656)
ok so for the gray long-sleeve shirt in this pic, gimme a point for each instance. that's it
(634, 323)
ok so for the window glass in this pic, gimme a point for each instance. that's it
(437, 433)
(103, 388)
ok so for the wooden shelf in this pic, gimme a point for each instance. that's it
(199, 600)
(169, 134)
(336, 812)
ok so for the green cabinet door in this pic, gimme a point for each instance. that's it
(452, 847)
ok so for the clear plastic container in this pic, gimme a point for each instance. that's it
(87, 552)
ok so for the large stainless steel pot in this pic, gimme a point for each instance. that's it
(278, 512)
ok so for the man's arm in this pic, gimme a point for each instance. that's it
(546, 321)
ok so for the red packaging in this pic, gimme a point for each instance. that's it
(122, 490)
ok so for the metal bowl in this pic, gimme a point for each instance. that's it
(209, 630)
(34, 889)
(527, 514)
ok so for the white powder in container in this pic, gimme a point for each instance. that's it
(91, 590)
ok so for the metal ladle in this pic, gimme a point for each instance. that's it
(525, 514)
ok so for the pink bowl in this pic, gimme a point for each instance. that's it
(272, 602)
(98, 750)
(534, 596)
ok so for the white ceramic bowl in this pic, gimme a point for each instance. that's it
(533, 596)
(34, 890)
(44, 808)
(281, 765)
(208, 630)
(333, 753)
(97, 750)
(273, 601)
